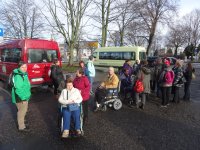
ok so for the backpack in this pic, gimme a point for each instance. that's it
(11, 81)
(138, 87)
(168, 77)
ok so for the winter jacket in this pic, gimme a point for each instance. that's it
(179, 78)
(56, 74)
(161, 78)
(158, 70)
(188, 74)
(21, 91)
(136, 68)
(127, 66)
(90, 68)
(126, 81)
(73, 94)
(111, 82)
(145, 74)
(82, 83)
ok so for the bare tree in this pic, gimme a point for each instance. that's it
(66, 20)
(154, 11)
(176, 37)
(191, 24)
(104, 14)
(21, 18)
(127, 12)
(136, 33)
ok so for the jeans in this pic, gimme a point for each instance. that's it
(187, 91)
(166, 91)
(67, 118)
(137, 97)
(91, 79)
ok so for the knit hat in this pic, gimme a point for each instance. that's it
(167, 62)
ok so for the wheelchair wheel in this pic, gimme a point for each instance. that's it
(117, 104)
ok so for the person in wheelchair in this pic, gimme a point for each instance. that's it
(69, 96)
(126, 82)
(101, 92)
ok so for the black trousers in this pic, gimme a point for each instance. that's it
(85, 109)
(166, 91)
(100, 94)
(187, 90)
(176, 97)
(55, 84)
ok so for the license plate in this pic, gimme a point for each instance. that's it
(37, 79)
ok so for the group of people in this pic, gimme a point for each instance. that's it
(73, 92)
(161, 79)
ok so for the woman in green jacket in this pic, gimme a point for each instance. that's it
(21, 93)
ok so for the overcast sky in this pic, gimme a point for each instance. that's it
(186, 6)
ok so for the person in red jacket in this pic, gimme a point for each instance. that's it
(82, 83)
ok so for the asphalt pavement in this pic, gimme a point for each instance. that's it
(174, 128)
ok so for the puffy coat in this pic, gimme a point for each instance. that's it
(145, 74)
(161, 79)
(179, 79)
(21, 91)
(82, 83)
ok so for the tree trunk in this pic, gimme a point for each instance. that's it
(71, 54)
(122, 37)
(151, 36)
(176, 49)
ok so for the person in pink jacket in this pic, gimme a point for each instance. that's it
(82, 83)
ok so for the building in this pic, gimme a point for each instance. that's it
(81, 52)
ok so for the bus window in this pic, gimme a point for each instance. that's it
(117, 55)
(11, 55)
(41, 55)
(129, 55)
(142, 55)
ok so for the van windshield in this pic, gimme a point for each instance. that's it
(41, 55)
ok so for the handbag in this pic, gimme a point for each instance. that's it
(72, 107)
(193, 75)
(139, 87)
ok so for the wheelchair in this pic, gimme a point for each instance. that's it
(72, 130)
(112, 99)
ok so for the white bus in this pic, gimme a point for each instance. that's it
(116, 56)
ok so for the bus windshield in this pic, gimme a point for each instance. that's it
(142, 55)
(41, 55)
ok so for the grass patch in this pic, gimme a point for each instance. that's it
(69, 69)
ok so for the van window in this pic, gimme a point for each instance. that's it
(11, 55)
(41, 55)
(117, 55)
(142, 56)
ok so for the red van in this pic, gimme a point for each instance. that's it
(38, 54)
